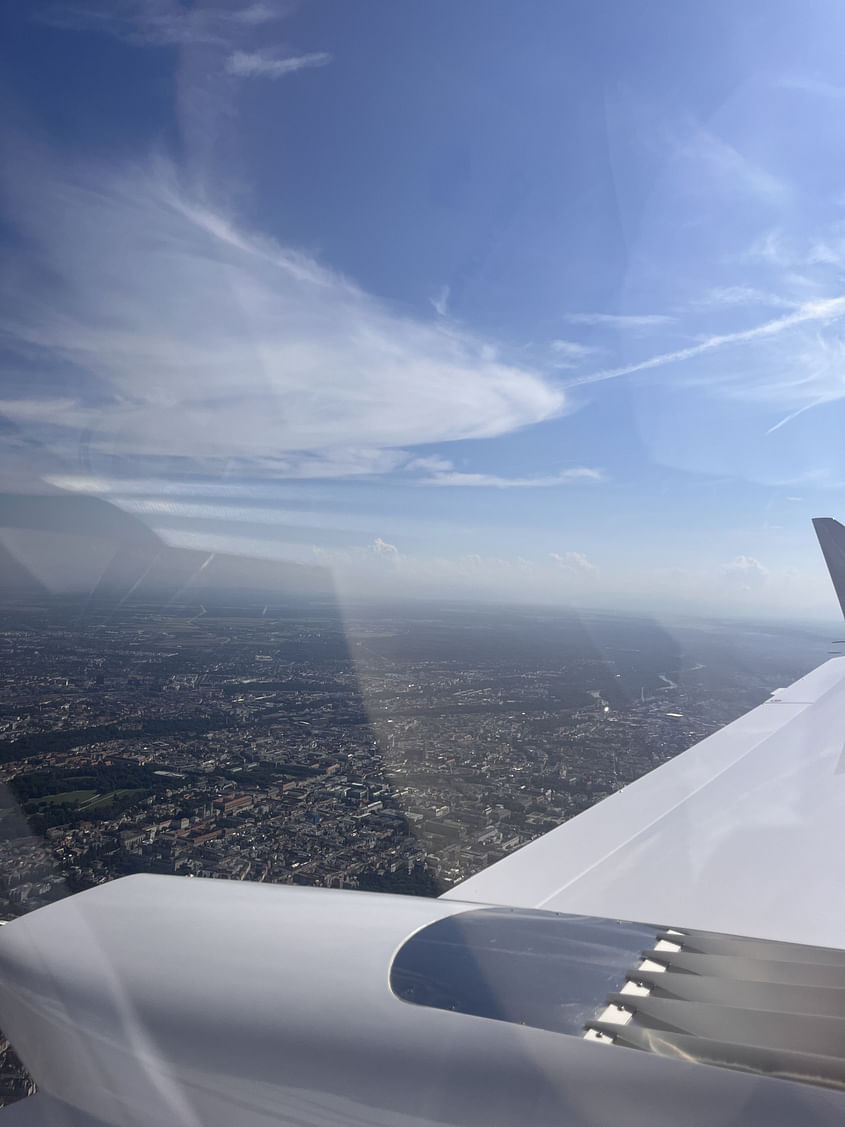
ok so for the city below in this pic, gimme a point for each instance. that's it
(396, 749)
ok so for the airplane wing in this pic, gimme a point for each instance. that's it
(696, 917)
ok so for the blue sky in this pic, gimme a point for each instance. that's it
(513, 300)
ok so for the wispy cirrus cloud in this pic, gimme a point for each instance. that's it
(169, 23)
(770, 247)
(810, 312)
(171, 331)
(725, 297)
(430, 463)
(440, 301)
(160, 23)
(568, 353)
(258, 13)
(730, 169)
(265, 64)
(620, 320)
(792, 259)
(192, 513)
(564, 477)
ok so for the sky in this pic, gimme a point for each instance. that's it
(533, 301)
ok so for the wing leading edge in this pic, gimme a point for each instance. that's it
(743, 833)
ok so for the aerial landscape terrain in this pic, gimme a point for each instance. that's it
(387, 748)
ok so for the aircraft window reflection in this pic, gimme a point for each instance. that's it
(533, 968)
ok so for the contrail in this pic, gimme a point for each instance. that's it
(794, 414)
(826, 310)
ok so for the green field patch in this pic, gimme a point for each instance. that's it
(70, 797)
(104, 799)
(82, 801)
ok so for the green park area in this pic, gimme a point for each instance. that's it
(57, 797)
(82, 799)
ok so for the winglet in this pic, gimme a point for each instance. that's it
(831, 536)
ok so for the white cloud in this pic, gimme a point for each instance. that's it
(565, 477)
(190, 337)
(256, 14)
(432, 463)
(743, 565)
(376, 561)
(770, 248)
(228, 516)
(383, 550)
(574, 563)
(620, 320)
(441, 301)
(744, 573)
(571, 352)
(827, 251)
(171, 23)
(264, 64)
(720, 297)
(337, 462)
(216, 488)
